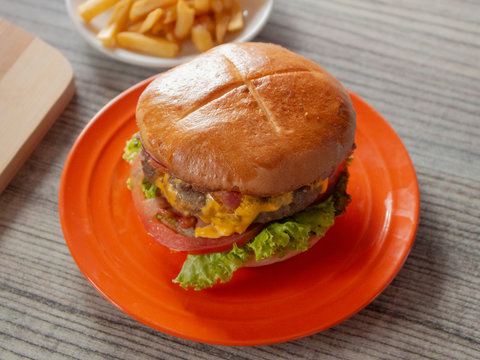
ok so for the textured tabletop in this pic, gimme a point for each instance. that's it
(416, 62)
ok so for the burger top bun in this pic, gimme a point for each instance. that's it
(249, 117)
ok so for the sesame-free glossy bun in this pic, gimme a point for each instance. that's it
(249, 117)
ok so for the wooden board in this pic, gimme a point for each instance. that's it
(36, 83)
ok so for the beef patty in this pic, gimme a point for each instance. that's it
(196, 200)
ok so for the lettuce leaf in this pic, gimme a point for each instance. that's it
(132, 147)
(293, 233)
(203, 271)
(280, 237)
(149, 190)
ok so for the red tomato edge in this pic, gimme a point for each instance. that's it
(148, 208)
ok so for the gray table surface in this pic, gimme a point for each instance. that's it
(416, 62)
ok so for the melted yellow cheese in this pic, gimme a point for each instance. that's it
(318, 183)
(222, 222)
(167, 191)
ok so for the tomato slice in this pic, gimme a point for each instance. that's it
(148, 209)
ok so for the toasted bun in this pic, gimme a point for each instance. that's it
(249, 117)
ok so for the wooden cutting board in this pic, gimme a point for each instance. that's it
(36, 83)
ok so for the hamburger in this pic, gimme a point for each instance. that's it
(241, 158)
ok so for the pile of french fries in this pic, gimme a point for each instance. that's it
(158, 27)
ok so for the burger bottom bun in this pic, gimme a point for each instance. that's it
(251, 262)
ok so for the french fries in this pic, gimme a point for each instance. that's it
(159, 27)
(222, 20)
(92, 8)
(236, 21)
(170, 15)
(185, 18)
(148, 44)
(201, 6)
(202, 38)
(141, 8)
(151, 19)
(206, 21)
(117, 21)
(217, 6)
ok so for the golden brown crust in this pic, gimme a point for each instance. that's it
(250, 117)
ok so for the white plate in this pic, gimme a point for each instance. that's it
(256, 16)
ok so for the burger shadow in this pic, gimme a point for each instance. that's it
(416, 290)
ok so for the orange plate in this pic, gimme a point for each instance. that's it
(311, 292)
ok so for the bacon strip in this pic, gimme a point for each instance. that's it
(230, 199)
